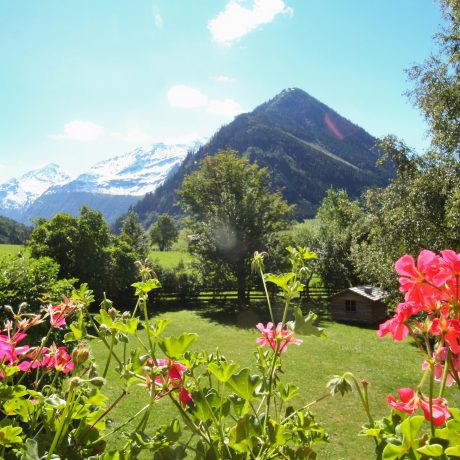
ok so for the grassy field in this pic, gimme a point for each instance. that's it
(387, 366)
(169, 259)
(10, 249)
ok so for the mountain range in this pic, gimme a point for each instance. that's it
(307, 146)
(110, 186)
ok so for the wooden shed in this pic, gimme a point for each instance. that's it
(359, 304)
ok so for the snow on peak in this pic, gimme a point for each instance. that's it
(22, 191)
(134, 173)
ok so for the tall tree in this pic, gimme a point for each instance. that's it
(437, 84)
(164, 231)
(133, 233)
(232, 213)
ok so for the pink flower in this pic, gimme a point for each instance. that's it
(419, 281)
(396, 326)
(58, 313)
(410, 402)
(171, 379)
(450, 328)
(272, 337)
(57, 358)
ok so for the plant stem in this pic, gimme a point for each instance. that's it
(267, 295)
(109, 357)
(445, 373)
(431, 397)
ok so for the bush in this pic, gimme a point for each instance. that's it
(33, 281)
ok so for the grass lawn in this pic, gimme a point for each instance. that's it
(10, 249)
(170, 259)
(387, 367)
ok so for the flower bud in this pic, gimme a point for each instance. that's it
(80, 354)
(103, 328)
(113, 312)
(97, 381)
(75, 382)
(126, 315)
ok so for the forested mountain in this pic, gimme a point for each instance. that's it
(12, 232)
(307, 146)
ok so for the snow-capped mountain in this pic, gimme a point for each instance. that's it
(135, 173)
(19, 193)
(110, 186)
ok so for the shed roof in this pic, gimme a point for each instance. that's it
(373, 293)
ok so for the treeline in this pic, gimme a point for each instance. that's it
(12, 232)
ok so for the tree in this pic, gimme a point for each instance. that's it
(84, 249)
(333, 238)
(437, 84)
(133, 233)
(232, 213)
(164, 232)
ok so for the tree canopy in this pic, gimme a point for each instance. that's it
(164, 231)
(232, 213)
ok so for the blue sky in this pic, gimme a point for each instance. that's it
(81, 81)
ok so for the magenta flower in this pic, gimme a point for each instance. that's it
(396, 326)
(170, 380)
(272, 337)
(410, 402)
(58, 313)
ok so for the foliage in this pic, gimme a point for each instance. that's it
(226, 411)
(232, 213)
(164, 232)
(32, 281)
(430, 316)
(133, 233)
(85, 249)
(418, 209)
(437, 86)
(12, 232)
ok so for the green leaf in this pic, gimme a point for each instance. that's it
(9, 435)
(223, 370)
(282, 281)
(30, 451)
(144, 287)
(288, 391)
(453, 451)
(174, 347)
(243, 383)
(431, 450)
(129, 326)
(305, 326)
(104, 318)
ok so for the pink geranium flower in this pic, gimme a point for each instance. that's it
(58, 313)
(279, 335)
(420, 280)
(396, 326)
(450, 328)
(410, 402)
(170, 379)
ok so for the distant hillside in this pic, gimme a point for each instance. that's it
(306, 145)
(12, 232)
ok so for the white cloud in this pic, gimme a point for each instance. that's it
(236, 21)
(186, 97)
(134, 135)
(224, 79)
(157, 18)
(78, 130)
(224, 107)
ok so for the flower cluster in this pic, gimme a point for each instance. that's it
(279, 337)
(431, 309)
(410, 402)
(168, 376)
(13, 354)
(58, 313)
